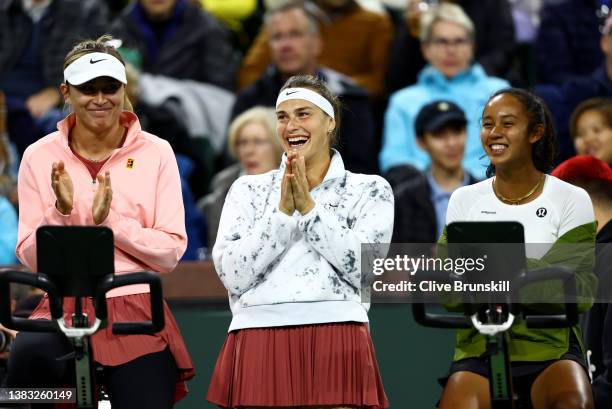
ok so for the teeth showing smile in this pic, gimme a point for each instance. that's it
(297, 141)
(498, 148)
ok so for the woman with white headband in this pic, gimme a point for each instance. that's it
(289, 253)
(65, 179)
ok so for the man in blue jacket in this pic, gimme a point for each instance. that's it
(447, 35)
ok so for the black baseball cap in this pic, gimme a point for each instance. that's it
(435, 115)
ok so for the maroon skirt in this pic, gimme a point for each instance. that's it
(112, 350)
(309, 365)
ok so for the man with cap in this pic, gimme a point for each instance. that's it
(421, 201)
(595, 177)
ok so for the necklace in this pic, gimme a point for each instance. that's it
(520, 199)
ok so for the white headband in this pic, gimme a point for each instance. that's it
(94, 65)
(308, 95)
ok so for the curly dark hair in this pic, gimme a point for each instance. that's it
(543, 151)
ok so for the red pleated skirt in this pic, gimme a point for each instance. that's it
(112, 350)
(323, 364)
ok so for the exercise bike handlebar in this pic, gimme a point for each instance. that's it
(436, 320)
(42, 282)
(34, 280)
(156, 323)
(569, 318)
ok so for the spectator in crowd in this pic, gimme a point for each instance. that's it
(595, 177)
(33, 40)
(356, 42)
(494, 40)
(7, 182)
(526, 16)
(294, 44)
(447, 35)
(252, 141)
(420, 202)
(567, 42)
(8, 215)
(176, 38)
(564, 98)
(8, 232)
(591, 128)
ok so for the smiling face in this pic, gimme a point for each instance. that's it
(593, 136)
(504, 132)
(97, 103)
(450, 48)
(305, 128)
(255, 149)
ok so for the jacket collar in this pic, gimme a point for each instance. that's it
(128, 120)
(431, 75)
(336, 167)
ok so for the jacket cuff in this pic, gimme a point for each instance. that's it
(305, 220)
(54, 217)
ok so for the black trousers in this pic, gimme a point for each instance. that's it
(147, 382)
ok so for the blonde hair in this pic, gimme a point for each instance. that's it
(448, 12)
(261, 115)
(99, 45)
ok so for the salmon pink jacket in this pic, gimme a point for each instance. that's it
(146, 216)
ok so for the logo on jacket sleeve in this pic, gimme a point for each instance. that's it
(130, 163)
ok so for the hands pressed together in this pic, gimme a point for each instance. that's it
(64, 193)
(295, 191)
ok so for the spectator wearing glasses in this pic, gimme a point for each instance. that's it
(447, 37)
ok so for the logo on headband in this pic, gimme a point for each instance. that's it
(292, 92)
(92, 61)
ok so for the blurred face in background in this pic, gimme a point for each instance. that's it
(445, 146)
(256, 149)
(158, 10)
(449, 49)
(593, 136)
(294, 44)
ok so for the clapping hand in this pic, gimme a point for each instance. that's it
(299, 184)
(287, 205)
(62, 187)
(102, 199)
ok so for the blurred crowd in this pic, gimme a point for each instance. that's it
(205, 74)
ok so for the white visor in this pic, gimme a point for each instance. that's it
(94, 65)
(308, 95)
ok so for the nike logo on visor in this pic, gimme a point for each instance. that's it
(92, 61)
(292, 92)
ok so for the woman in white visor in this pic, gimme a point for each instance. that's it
(65, 179)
